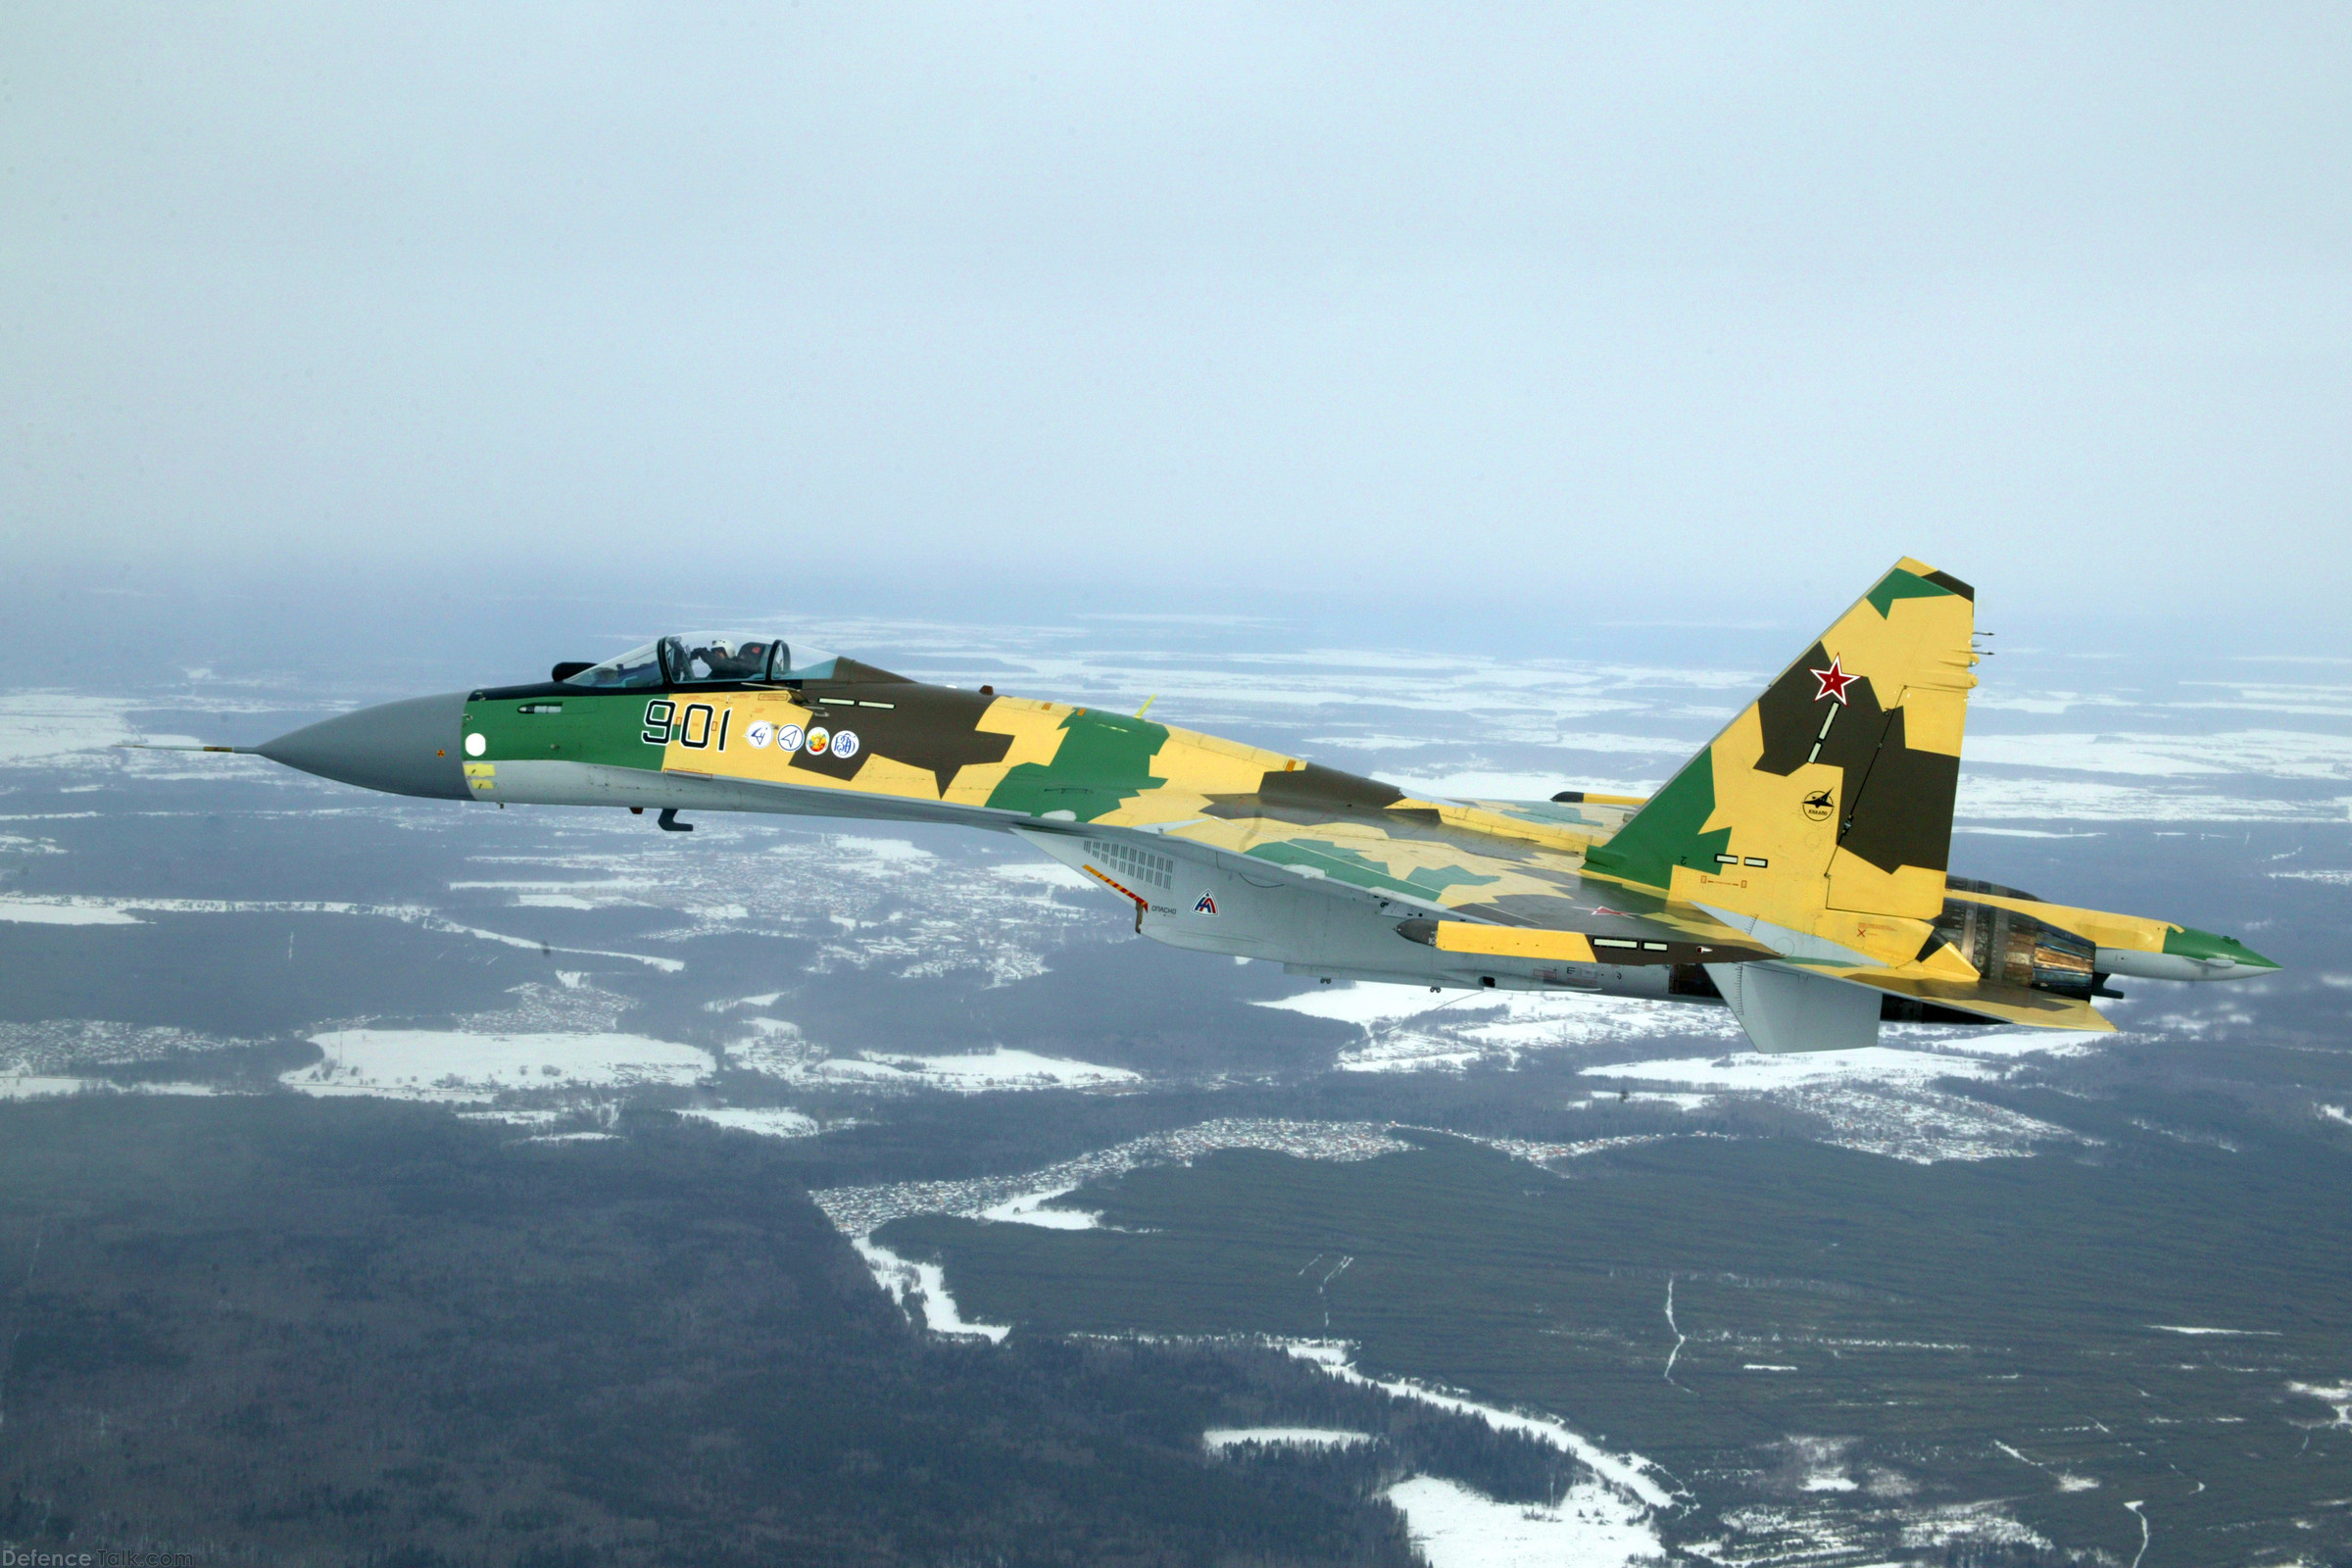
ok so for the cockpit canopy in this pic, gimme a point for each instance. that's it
(704, 660)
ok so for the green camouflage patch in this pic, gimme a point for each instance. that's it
(1667, 832)
(1104, 761)
(1901, 584)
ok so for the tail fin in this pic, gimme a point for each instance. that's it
(1826, 806)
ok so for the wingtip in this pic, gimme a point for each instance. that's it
(1942, 579)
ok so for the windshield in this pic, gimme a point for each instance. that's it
(718, 657)
(707, 658)
(801, 662)
(638, 666)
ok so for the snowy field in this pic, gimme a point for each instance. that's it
(614, 968)
(1019, 1198)
(1606, 1521)
(434, 1064)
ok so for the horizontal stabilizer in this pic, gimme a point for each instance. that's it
(1786, 1010)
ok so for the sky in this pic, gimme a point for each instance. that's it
(1641, 314)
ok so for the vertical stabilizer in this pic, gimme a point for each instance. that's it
(1822, 815)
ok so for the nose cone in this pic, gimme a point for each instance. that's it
(404, 748)
(2223, 957)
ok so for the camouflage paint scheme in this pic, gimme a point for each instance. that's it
(1812, 834)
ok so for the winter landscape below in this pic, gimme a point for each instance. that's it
(541, 1187)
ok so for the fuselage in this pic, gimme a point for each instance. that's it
(1219, 846)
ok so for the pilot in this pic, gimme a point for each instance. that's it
(748, 663)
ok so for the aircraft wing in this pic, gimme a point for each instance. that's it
(1481, 876)
(1505, 878)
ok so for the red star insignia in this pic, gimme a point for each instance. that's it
(1834, 681)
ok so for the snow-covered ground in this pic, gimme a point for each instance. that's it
(881, 906)
(67, 729)
(777, 1048)
(1822, 1526)
(83, 910)
(1639, 1479)
(1606, 1519)
(1029, 1208)
(926, 1284)
(2265, 753)
(1647, 1097)
(1216, 1440)
(1879, 1100)
(975, 1073)
(1407, 1029)
(1454, 1525)
(860, 1210)
(66, 1048)
(64, 911)
(767, 1122)
(1755, 1071)
(455, 1066)
(1479, 784)
(1044, 873)
(1993, 799)
(41, 1085)
(2337, 1397)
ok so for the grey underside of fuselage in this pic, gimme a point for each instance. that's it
(1205, 900)
(538, 783)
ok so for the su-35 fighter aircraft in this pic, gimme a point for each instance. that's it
(1794, 869)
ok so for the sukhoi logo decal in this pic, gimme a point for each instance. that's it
(1207, 906)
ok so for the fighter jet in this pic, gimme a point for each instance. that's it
(1794, 869)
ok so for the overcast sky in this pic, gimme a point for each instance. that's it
(1633, 311)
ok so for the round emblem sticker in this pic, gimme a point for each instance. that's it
(817, 741)
(761, 733)
(788, 739)
(845, 743)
